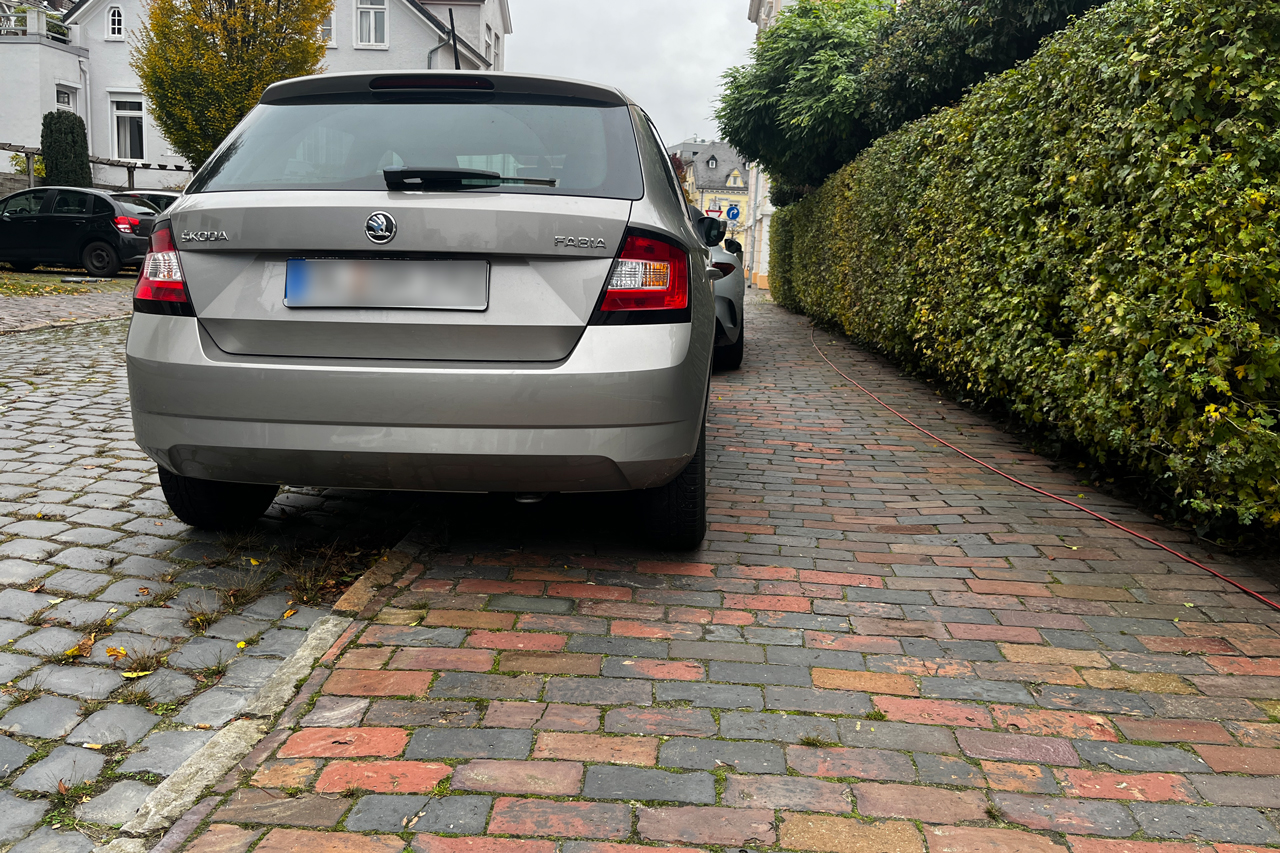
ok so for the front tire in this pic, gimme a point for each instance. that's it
(675, 515)
(729, 356)
(213, 505)
(98, 258)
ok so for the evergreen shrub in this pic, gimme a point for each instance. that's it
(1090, 239)
(65, 149)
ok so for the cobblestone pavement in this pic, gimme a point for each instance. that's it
(98, 581)
(881, 649)
(22, 313)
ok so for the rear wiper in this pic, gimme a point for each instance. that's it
(446, 179)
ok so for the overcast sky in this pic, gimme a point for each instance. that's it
(668, 55)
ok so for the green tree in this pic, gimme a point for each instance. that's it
(203, 64)
(794, 109)
(65, 149)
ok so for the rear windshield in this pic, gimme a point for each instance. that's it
(587, 150)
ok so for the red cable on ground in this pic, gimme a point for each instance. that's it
(1012, 479)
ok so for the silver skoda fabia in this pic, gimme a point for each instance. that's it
(429, 281)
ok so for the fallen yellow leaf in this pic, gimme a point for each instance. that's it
(137, 674)
(288, 613)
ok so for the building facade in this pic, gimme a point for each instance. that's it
(759, 212)
(716, 179)
(81, 63)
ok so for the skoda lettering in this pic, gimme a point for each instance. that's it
(203, 236)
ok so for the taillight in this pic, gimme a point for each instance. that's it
(161, 287)
(649, 275)
(725, 268)
(126, 224)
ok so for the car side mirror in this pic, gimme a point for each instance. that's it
(711, 230)
(733, 247)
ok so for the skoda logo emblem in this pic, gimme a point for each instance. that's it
(380, 227)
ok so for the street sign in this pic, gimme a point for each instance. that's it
(732, 213)
(714, 211)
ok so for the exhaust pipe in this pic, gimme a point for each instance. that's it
(530, 497)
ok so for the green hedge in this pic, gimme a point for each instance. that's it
(65, 148)
(1089, 238)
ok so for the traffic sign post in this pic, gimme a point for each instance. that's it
(733, 213)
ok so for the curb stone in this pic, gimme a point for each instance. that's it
(180, 791)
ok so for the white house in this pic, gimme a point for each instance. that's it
(82, 64)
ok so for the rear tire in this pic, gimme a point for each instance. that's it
(98, 258)
(675, 515)
(729, 356)
(213, 505)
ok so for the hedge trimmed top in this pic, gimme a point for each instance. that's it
(830, 76)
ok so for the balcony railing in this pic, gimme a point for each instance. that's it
(16, 24)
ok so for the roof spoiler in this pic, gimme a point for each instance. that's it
(318, 86)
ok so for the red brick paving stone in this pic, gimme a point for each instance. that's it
(1244, 666)
(732, 617)
(690, 722)
(464, 660)
(1019, 778)
(976, 839)
(383, 777)
(1107, 845)
(589, 591)
(1241, 759)
(1002, 633)
(707, 825)
(286, 773)
(224, 838)
(513, 715)
(640, 751)
(365, 658)
(570, 718)
(934, 712)
(549, 663)
(998, 745)
(1019, 653)
(842, 579)
(852, 643)
(869, 625)
(518, 640)
(547, 778)
(1019, 588)
(1137, 682)
(1068, 724)
(620, 610)
(1188, 645)
(255, 805)
(784, 603)
(838, 762)
(488, 587)
(1028, 619)
(1032, 672)
(469, 619)
(1174, 731)
(563, 624)
(377, 682)
(650, 631)
(345, 743)
(865, 682)
(847, 835)
(295, 840)
(931, 805)
(1263, 735)
(1264, 646)
(564, 820)
(698, 570)
(604, 847)
(917, 666)
(439, 844)
(786, 792)
(664, 670)
(689, 615)
(1142, 787)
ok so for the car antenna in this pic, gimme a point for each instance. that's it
(453, 35)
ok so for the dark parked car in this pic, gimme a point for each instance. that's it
(159, 199)
(74, 227)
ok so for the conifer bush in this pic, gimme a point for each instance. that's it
(64, 147)
(1090, 239)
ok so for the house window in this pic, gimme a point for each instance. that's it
(371, 23)
(115, 23)
(65, 100)
(326, 31)
(488, 43)
(128, 119)
(735, 179)
(497, 53)
(712, 163)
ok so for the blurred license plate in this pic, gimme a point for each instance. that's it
(441, 285)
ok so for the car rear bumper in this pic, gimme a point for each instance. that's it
(623, 411)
